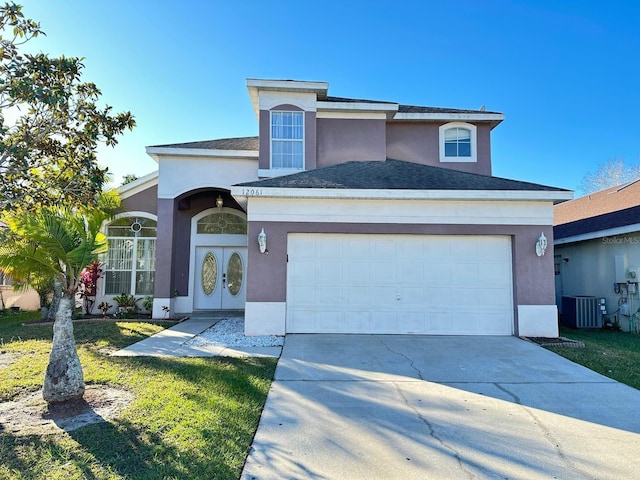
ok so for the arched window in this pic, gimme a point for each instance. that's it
(130, 266)
(458, 142)
(222, 223)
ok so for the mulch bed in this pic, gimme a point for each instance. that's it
(556, 342)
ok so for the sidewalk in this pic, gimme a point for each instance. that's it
(169, 343)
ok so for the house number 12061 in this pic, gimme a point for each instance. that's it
(255, 192)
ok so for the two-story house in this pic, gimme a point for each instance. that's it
(342, 215)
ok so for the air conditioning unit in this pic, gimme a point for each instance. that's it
(579, 311)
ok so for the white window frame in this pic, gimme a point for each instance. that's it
(135, 240)
(286, 170)
(473, 158)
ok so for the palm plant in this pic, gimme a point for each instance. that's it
(57, 243)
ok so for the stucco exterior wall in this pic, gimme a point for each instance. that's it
(419, 143)
(144, 201)
(588, 268)
(182, 174)
(342, 140)
(26, 300)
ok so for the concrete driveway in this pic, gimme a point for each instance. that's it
(383, 407)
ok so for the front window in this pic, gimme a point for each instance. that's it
(130, 266)
(287, 140)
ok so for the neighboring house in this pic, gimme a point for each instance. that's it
(597, 248)
(342, 215)
(24, 299)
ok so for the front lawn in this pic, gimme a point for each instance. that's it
(190, 418)
(613, 354)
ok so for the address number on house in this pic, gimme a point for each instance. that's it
(252, 192)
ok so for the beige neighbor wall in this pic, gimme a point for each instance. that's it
(588, 268)
(26, 300)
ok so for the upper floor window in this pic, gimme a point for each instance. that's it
(287, 140)
(458, 142)
(131, 258)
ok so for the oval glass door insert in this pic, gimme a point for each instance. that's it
(209, 273)
(234, 273)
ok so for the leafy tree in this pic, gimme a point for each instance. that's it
(57, 243)
(50, 125)
(128, 178)
(609, 174)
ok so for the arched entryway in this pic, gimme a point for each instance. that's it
(219, 259)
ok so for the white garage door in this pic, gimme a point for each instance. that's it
(422, 284)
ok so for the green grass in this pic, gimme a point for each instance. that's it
(191, 418)
(613, 354)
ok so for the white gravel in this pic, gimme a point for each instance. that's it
(229, 332)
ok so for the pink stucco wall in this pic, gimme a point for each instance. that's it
(419, 143)
(345, 140)
(144, 201)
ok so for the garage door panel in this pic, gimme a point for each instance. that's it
(356, 283)
(382, 296)
(437, 271)
(381, 273)
(410, 273)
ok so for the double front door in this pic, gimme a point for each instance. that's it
(220, 278)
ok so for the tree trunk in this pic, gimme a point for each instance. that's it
(55, 300)
(63, 380)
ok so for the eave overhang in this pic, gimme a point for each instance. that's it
(157, 152)
(243, 193)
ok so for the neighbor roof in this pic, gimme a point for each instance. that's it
(598, 223)
(612, 199)
(239, 143)
(393, 175)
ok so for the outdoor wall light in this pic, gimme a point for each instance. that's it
(541, 245)
(262, 242)
(219, 202)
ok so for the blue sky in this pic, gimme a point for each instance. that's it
(565, 74)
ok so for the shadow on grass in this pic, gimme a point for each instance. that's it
(133, 451)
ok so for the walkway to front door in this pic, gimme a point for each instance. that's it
(220, 278)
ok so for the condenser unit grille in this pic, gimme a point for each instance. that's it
(580, 311)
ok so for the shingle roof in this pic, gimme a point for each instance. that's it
(620, 218)
(330, 98)
(395, 175)
(240, 143)
(406, 108)
(416, 109)
(605, 201)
